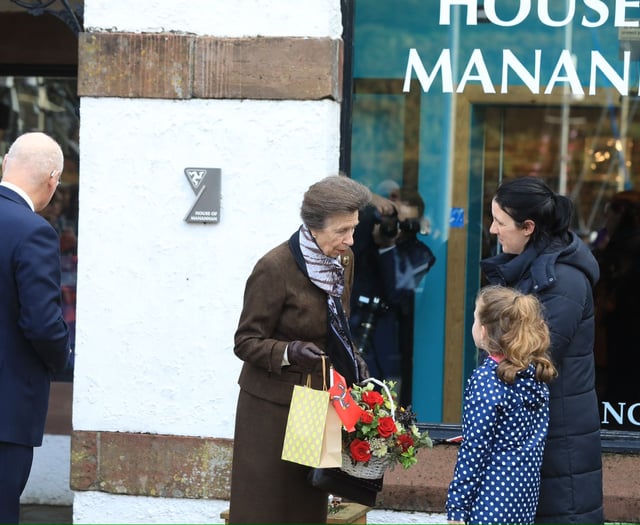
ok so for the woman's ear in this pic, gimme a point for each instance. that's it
(528, 227)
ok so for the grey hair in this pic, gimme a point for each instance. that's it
(333, 195)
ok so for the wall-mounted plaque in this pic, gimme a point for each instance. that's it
(205, 183)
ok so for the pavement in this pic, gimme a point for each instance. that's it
(55, 514)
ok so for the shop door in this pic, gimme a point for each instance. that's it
(586, 152)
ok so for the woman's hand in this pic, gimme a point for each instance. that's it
(384, 206)
(304, 354)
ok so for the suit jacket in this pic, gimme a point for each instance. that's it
(34, 338)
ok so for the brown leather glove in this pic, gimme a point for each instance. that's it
(304, 354)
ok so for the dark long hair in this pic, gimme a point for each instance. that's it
(529, 198)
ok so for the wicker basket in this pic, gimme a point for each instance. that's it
(373, 469)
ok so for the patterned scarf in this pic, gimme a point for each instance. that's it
(328, 275)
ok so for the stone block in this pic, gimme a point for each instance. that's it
(173, 66)
(268, 68)
(151, 465)
(134, 65)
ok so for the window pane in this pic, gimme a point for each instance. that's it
(50, 105)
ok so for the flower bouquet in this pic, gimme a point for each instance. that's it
(384, 435)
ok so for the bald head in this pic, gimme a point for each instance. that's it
(34, 163)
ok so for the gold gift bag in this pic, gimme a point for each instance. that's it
(313, 433)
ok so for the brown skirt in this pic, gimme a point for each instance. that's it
(264, 488)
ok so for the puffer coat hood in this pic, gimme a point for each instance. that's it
(535, 269)
(533, 394)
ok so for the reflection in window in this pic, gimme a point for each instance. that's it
(50, 105)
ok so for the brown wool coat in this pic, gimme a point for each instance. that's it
(280, 305)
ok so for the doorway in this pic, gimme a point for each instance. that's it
(585, 151)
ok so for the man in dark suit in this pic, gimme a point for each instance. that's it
(34, 339)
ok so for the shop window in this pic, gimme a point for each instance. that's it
(38, 92)
(454, 139)
(599, 175)
(49, 104)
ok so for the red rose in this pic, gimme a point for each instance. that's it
(386, 427)
(372, 398)
(366, 417)
(405, 441)
(360, 450)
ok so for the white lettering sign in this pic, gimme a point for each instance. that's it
(600, 13)
(619, 414)
(565, 72)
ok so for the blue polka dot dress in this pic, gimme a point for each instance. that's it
(504, 427)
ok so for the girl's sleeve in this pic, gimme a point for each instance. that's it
(478, 432)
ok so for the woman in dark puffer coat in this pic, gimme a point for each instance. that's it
(541, 256)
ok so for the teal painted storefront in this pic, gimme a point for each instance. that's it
(390, 141)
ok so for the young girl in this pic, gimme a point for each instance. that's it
(506, 413)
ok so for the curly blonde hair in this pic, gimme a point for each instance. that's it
(516, 328)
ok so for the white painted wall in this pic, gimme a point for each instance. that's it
(159, 299)
(49, 479)
(312, 18)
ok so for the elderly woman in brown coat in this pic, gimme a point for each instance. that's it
(295, 308)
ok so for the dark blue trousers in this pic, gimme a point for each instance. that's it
(15, 466)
